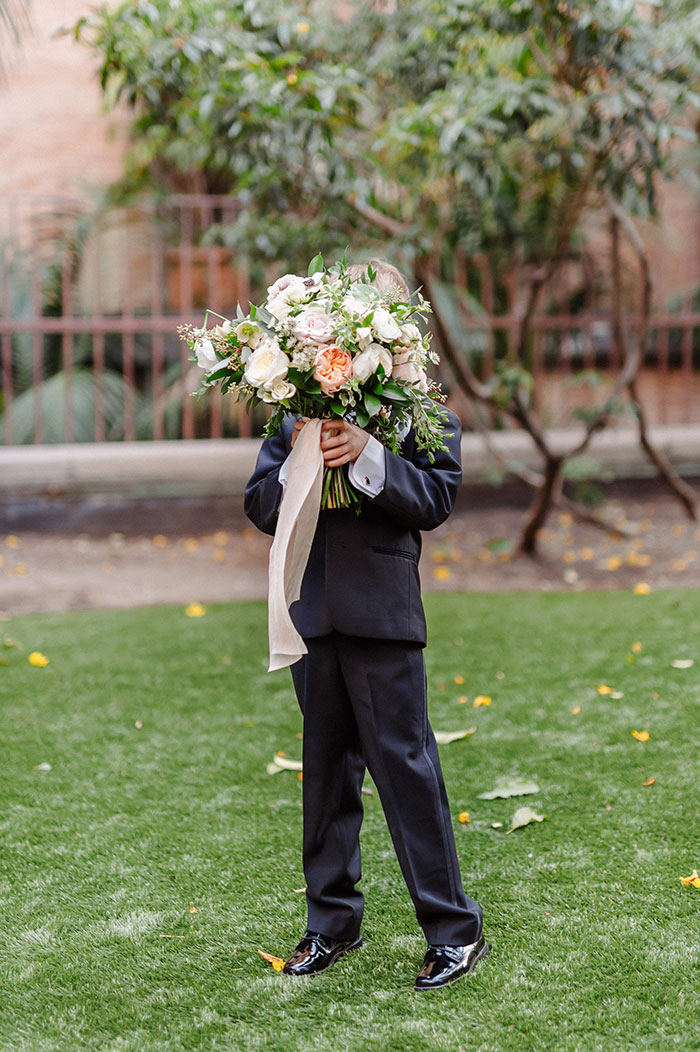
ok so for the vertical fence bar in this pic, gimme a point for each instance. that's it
(6, 350)
(128, 335)
(662, 371)
(37, 346)
(186, 305)
(98, 340)
(67, 345)
(687, 365)
(157, 311)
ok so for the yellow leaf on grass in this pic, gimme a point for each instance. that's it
(693, 881)
(641, 736)
(463, 817)
(481, 699)
(463, 700)
(650, 781)
(576, 709)
(38, 659)
(637, 648)
(604, 689)
(276, 962)
(642, 588)
(194, 610)
(193, 909)
(459, 680)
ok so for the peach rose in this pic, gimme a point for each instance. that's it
(333, 368)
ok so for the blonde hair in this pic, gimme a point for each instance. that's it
(387, 278)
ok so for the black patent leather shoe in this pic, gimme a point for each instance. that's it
(317, 952)
(444, 964)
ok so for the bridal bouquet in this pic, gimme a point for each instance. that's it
(330, 346)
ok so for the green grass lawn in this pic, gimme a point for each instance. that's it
(141, 874)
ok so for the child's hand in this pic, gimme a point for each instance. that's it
(341, 442)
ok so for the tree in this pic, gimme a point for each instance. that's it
(443, 131)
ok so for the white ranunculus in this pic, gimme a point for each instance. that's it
(385, 326)
(281, 284)
(282, 302)
(206, 355)
(267, 364)
(313, 325)
(366, 363)
(409, 368)
(410, 333)
(277, 391)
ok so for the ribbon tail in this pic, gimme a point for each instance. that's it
(289, 554)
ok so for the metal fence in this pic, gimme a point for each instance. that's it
(90, 301)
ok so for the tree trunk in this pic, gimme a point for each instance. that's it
(546, 495)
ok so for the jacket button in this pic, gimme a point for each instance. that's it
(366, 481)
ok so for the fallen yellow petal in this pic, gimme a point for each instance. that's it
(463, 700)
(637, 648)
(693, 881)
(276, 962)
(195, 610)
(463, 817)
(642, 588)
(576, 709)
(459, 680)
(481, 699)
(641, 736)
(604, 689)
(650, 781)
(300, 776)
(193, 909)
(38, 659)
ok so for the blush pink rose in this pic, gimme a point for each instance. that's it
(333, 368)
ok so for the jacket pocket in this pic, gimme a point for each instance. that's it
(400, 553)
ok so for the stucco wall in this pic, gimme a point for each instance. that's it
(54, 135)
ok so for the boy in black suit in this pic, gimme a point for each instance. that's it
(362, 690)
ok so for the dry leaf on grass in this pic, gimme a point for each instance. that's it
(523, 816)
(276, 962)
(513, 787)
(445, 737)
(281, 763)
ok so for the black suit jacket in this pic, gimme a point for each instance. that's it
(362, 574)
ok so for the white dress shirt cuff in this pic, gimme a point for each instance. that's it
(368, 473)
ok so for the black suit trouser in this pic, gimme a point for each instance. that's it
(364, 704)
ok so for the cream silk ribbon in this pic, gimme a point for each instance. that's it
(296, 526)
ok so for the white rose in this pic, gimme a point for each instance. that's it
(206, 355)
(313, 325)
(385, 326)
(368, 361)
(266, 364)
(408, 367)
(410, 333)
(355, 305)
(277, 391)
